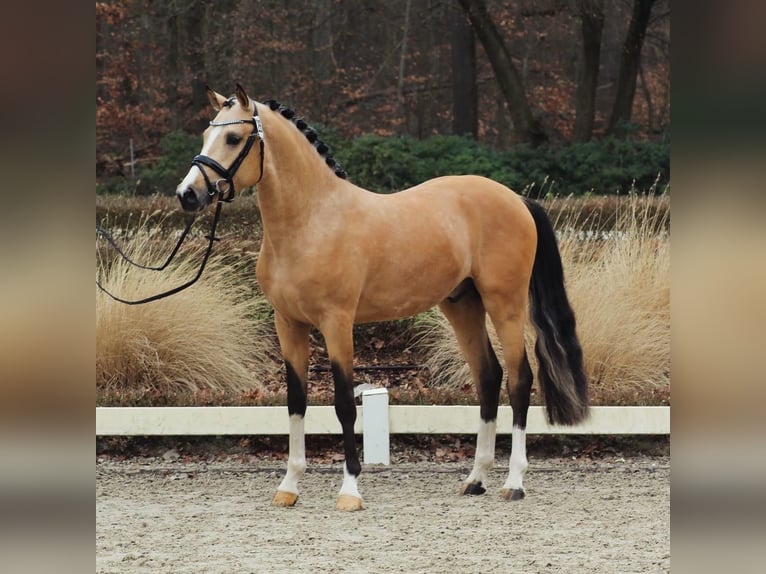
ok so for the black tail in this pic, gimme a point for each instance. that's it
(559, 355)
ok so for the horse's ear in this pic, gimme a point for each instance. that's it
(242, 97)
(216, 99)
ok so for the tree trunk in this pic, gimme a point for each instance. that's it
(195, 17)
(592, 26)
(630, 59)
(403, 52)
(465, 98)
(171, 68)
(648, 97)
(528, 128)
(321, 41)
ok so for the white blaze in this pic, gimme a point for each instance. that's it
(193, 173)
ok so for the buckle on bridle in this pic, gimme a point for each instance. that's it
(225, 190)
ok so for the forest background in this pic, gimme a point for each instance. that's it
(548, 96)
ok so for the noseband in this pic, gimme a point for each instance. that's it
(224, 187)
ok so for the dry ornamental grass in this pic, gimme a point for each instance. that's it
(216, 335)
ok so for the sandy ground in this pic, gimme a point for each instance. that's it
(592, 516)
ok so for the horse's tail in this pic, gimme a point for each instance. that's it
(559, 355)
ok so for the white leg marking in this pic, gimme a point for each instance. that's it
(518, 463)
(349, 485)
(296, 460)
(485, 453)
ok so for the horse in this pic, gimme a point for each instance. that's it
(334, 254)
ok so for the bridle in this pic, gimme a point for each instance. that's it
(224, 187)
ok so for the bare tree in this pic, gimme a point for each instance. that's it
(194, 19)
(630, 61)
(591, 13)
(529, 129)
(465, 98)
(321, 40)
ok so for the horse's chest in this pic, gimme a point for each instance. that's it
(291, 289)
(271, 277)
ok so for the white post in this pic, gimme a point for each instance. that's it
(375, 428)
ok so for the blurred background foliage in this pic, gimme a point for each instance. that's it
(551, 96)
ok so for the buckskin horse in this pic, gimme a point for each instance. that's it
(334, 254)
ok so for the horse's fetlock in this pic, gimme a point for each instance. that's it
(519, 465)
(297, 466)
(485, 460)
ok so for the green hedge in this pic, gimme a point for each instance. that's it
(388, 164)
(178, 148)
(600, 167)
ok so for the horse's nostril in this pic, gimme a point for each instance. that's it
(189, 199)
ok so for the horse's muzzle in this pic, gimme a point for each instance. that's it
(189, 199)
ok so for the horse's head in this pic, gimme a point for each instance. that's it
(227, 158)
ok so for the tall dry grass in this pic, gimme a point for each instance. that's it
(618, 283)
(215, 336)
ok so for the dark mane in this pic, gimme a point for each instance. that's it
(310, 134)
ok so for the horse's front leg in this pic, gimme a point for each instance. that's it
(338, 334)
(294, 341)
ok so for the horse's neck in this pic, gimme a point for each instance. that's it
(296, 186)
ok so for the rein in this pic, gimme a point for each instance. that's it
(175, 290)
(223, 188)
(105, 234)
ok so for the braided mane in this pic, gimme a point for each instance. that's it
(311, 135)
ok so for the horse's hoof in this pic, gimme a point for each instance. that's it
(283, 498)
(473, 488)
(348, 503)
(513, 493)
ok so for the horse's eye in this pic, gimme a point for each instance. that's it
(233, 139)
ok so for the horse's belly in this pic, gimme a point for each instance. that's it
(385, 302)
(374, 313)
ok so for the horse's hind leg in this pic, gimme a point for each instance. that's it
(509, 322)
(294, 341)
(468, 319)
(517, 466)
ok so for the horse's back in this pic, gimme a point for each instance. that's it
(487, 206)
(470, 193)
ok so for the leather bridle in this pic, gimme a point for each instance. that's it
(224, 187)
